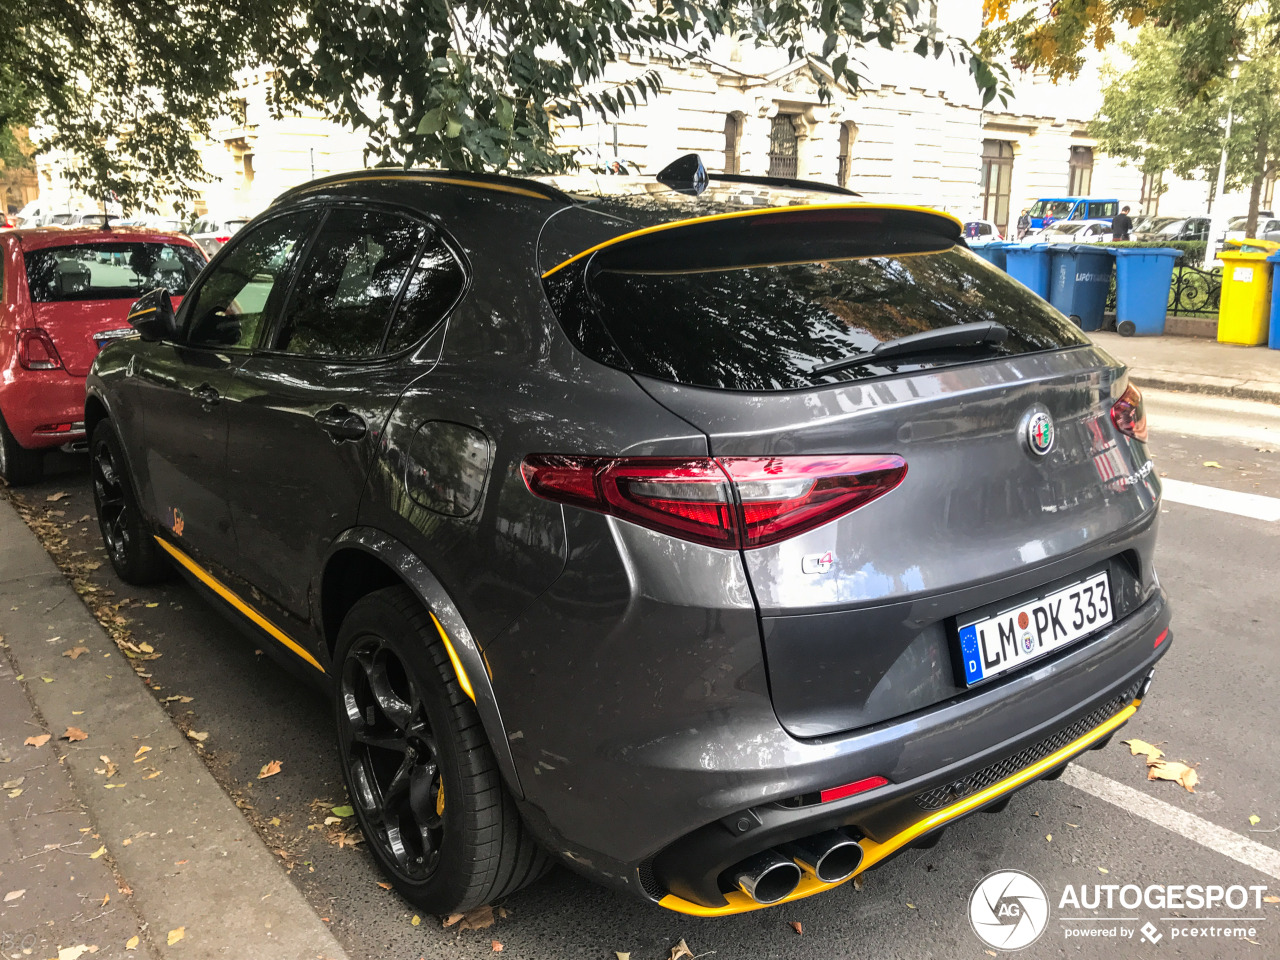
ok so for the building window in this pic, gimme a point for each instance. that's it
(1081, 172)
(733, 143)
(997, 179)
(783, 146)
(848, 137)
(1152, 187)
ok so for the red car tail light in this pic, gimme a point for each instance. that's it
(36, 351)
(1128, 415)
(731, 502)
(222, 239)
(849, 789)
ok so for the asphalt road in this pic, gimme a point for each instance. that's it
(1214, 705)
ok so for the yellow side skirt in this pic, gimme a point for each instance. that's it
(874, 852)
(225, 592)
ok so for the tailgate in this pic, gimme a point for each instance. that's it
(72, 326)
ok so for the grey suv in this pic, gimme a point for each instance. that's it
(717, 537)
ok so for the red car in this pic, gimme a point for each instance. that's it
(63, 295)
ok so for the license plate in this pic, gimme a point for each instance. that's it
(991, 646)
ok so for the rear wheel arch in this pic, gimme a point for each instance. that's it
(363, 560)
(95, 411)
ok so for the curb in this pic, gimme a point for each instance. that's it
(1209, 386)
(187, 854)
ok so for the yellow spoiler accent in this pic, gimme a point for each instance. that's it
(463, 680)
(873, 852)
(755, 212)
(225, 592)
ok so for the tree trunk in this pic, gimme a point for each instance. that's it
(1260, 173)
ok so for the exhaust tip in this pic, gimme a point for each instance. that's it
(830, 856)
(767, 877)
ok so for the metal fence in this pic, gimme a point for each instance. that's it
(1193, 292)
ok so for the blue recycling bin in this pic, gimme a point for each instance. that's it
(1273, 339)
(1028, 263)
(1079, 280)
(1143, 278)
(992, 251)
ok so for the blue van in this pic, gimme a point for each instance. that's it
(1049, 210)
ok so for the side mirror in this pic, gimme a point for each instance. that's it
(152, 316)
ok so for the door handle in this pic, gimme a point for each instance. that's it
(206, 394)
(341, 424)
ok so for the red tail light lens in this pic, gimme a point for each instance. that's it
(222, 239)
(1128, 415)
(731, 502)
(849, 789)
(36, 351)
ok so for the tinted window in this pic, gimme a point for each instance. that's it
(765, 327)
(246, 288)
(109, 271)
(434, 287)
(349, 283)
(1103, 210)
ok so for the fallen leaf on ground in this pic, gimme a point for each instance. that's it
(76, 952)
(622, 956)
(146, 648)
(1254, 819)
(1271, 899)
(110, 769)
(476, 919)
(343, 811)
(13, 895)
(1049, 837)
(14, 794)
(1103, 870)
(797, 926)
(97, 853)
(269, 770)
(680, 950)
(417, 920)
(1141, 746)
(176, 934)
(39, 741)
(197, 737)
(47, 679)
(1213, 463)
(10, 784)
(131, 943)
(73, 734)
(75, 652)
(384, 886)
(911, 906)
(1175, 771)
(141, 750)
(55, 497)
(859, 881)
(496, 946)
(151, 606)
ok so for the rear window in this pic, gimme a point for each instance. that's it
(765, 326)
(109, 271)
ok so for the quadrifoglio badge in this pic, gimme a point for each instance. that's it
(1010, 910)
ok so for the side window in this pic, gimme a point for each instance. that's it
(244, 293)
(434, 287)
(348, 284)
(1077, 212)
(1102, 210)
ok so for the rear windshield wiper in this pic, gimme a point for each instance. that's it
(931, 341)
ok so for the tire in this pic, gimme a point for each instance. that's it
(18, 465)
(420, 773)
(125, 533)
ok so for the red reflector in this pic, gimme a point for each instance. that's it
(223, 239)
(732, 502)
(36, 350)
(1160, 639)
(54, 428)
(849, 789)
(1128, 414)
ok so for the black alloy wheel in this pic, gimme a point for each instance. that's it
(420, 772)
(393, 759)
(125, 533)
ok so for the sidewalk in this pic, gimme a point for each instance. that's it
(115, 841)
(1196, 365)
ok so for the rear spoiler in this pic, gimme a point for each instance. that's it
(805, 232)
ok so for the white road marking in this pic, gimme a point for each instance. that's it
(1252, 505)
(1252, 854)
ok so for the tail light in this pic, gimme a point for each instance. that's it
(731, 502)
(1128, 415)
(222, 239)
(36, 351)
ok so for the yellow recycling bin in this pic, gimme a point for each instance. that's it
(1244, 312)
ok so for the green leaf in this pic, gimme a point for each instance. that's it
(343, 811)
(432, 122)
(452, 129)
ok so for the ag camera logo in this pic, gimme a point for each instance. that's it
(1008, 910)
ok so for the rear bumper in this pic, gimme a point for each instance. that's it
(36, 400)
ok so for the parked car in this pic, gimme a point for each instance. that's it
(1268, 228)
(762, 537)
(1050, 210)
(1079, 231)
(211, 232)
(1172, 229)
(982, 230)
(66, 293)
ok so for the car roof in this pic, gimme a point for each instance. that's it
(39, 238)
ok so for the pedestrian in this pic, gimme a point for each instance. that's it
(1024, 224)
(1121, 225)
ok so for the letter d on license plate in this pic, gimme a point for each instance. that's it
(1006, 641)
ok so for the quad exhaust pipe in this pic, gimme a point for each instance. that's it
(773, 875)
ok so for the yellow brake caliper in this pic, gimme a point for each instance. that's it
(440, 799)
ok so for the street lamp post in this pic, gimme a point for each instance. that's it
(1217, 221)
